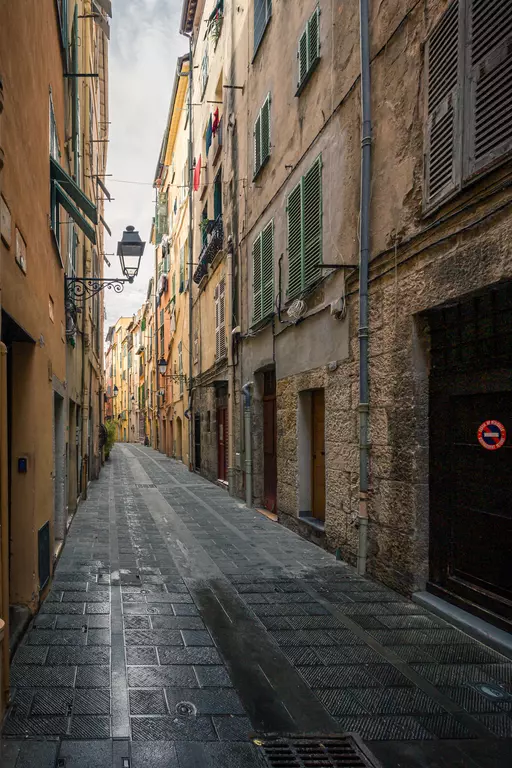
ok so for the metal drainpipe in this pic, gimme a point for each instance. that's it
(231, 371)
(364, 256)
(248, 443)
(190, 256)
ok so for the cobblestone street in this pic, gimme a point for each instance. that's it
(180, 624)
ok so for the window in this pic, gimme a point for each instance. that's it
(51, 309)
(162, 217)
(204, 71)
(220, 320)
(263, 274)
(308, 52)
(304, 223)
(217, 196)
(262, 14)
(180, 366)
(54, 137)
(182, 268)
(204, 226)
(468, 61)
(208, 421)
(184, 182)
(72, 249)
(174, 287)
(262, 137)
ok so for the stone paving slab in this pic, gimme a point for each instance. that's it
(180, 622)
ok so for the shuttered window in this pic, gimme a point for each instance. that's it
(308, 53)
(180, 366)
(490, 82)
(304, 225)
(182, 268)
(263, 274)
(220, 320)
(262, 137)
(262, 14)
(469, 95)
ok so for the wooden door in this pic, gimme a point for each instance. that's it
(269, 441)
(318, 453)
(222, 443)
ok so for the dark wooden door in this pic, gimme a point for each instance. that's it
(269, 441)
(478, 503)
(318, 453)
(222, 443)
(197, 440)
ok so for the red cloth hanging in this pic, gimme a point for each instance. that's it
(216, 121)
(197, 174)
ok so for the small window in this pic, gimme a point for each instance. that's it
(308, 53)
(262, 14)
(208, 421)
(51, 309)
(21, 252)
(205, 64)
(263, 274)
(304, 223)
(262, 137)
(220, 320)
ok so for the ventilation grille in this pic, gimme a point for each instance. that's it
(315, 752)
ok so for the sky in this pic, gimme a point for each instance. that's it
(144, 46)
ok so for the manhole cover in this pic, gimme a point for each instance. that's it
(344, 751)
(492, 691)
(186, 709)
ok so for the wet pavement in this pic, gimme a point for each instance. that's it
(180, 624)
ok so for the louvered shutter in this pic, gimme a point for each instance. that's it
(217, 322)
(257, 144)
(489, 103)
(267, 269)
(302, 56)
(312, 221)
(265, 130)
(256, 276)
(294, 226)
(314, 39)
(262, 13)
(442, 144)
(222, 319)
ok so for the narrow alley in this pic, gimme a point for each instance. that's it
(182, 628)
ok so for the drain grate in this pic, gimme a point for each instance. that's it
(145, 485)
(315, 751)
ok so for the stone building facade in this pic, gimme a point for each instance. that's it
(286, 81)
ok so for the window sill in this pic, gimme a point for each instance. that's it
(307, 77)
(257, 326)
(262, 166)
(307, 518)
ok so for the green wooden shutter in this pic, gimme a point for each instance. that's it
(265, 130)
(256, 280)
(312, 222)
(314, 39)
(267, 269)
(257, 144)
(302, 56)
(294, 226)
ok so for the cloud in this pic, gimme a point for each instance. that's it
(145, 44)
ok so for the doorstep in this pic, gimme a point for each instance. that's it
(270, 515)
(477, 628)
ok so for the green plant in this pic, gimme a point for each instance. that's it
(111, 427)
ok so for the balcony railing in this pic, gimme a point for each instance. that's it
(214, 244)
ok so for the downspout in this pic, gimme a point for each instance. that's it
(246, 391)
(191, 421)
(231, 371)
(364, 257)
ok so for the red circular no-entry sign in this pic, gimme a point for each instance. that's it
(492, 435)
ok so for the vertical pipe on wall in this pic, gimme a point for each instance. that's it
(4, 523)
(191, 421)
(364, 257)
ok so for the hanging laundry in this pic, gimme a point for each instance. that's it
(209, 133)
(197, 174)
(216, 121)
